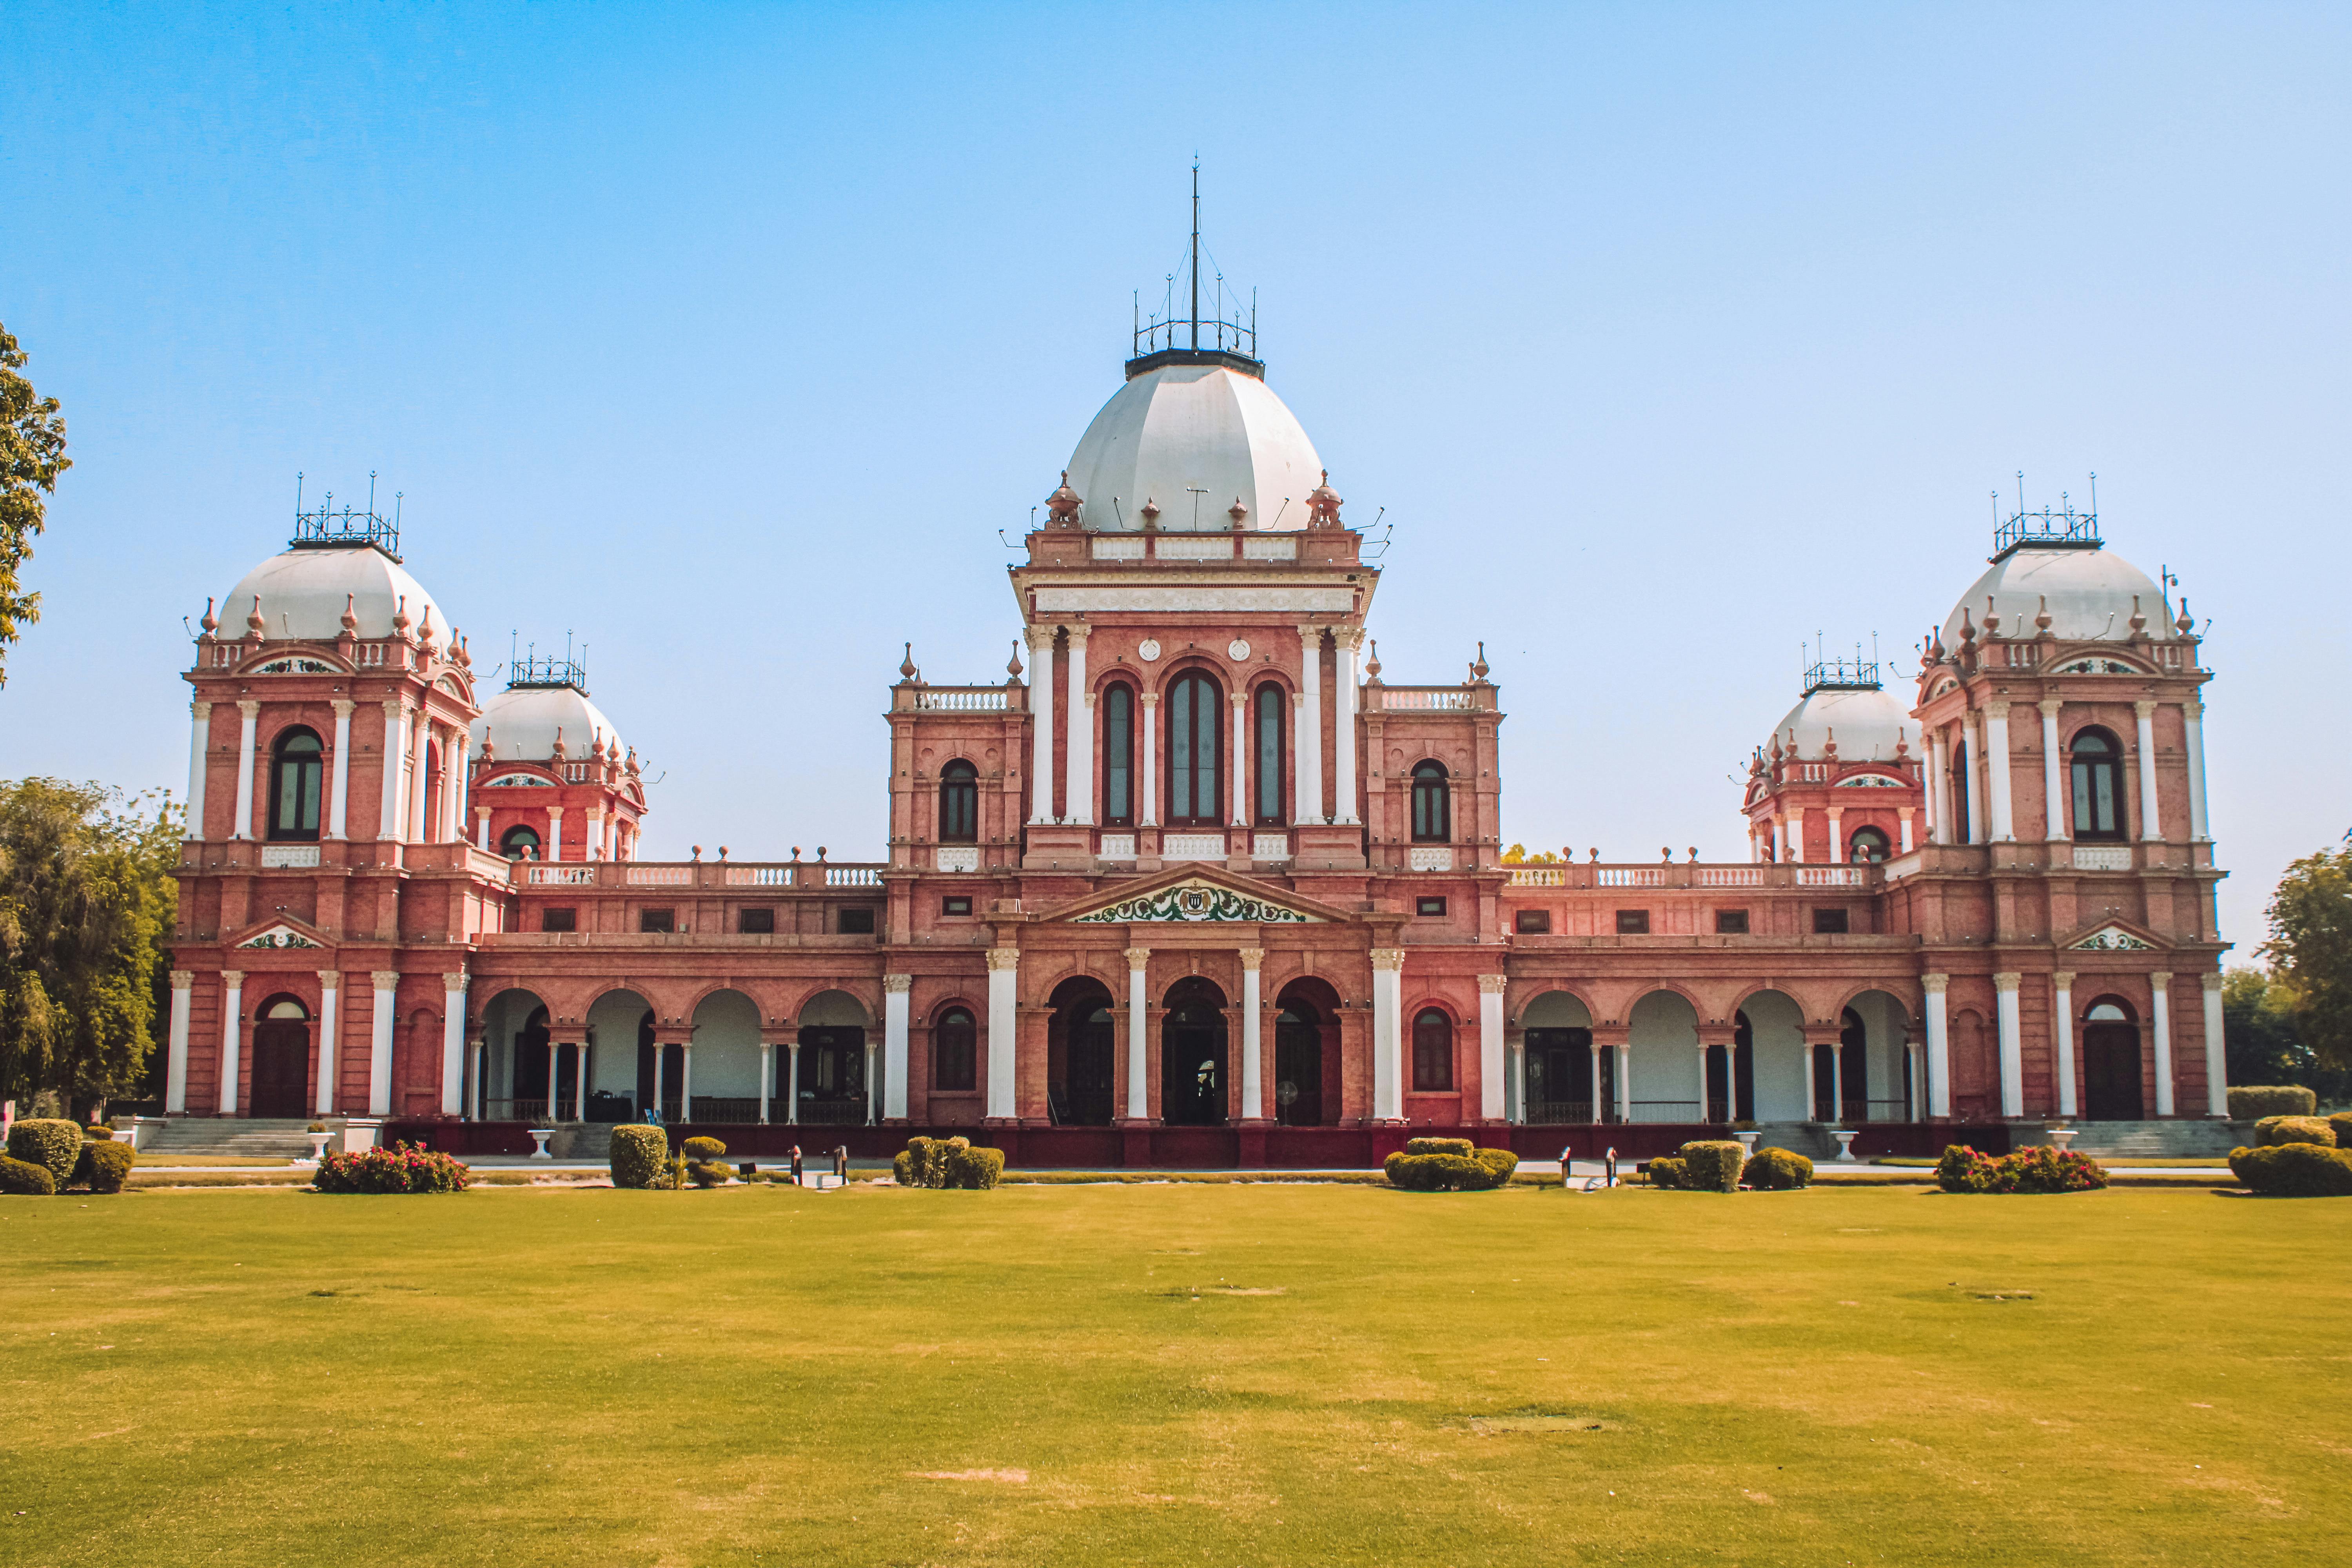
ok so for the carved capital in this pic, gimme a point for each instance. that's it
(182, 979)
(1492, 984)
(1935, 984)
(203, 710)
(386, 979)
(1252, 957)
(248, 707)
(898, 984)
(1004, 958)
(2161, 980)
(1138, 957)
(233, 978)
(2144, 708)
(2213, 981)
(1996, 710)
(330, 979)
(2050, 706)
(2007, 981)
(343, 706)
(1079, 636)
(1150, 700)
(2064, 980)
(2193, 710)
(1388, 959)
(453, 982)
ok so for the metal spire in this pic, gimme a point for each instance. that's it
(1196, 252)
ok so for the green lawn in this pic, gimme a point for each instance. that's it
(1179, 1375)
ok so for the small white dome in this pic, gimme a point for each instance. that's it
(2090, 594)
(522, 722)
(303, 592)
(1186, 428)
(1867, 723)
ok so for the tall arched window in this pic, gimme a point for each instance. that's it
(519, 844)
(2099, 786)
(959, 803)
(952, 1050)
(1433, 1052)
(1195, 780)
(1118, 756)
(1867, 846)
(294, 785)
(1432, 805)
(1272, 705)
(1960, 794)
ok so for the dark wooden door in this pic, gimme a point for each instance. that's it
(1087, 1064)
(281, 1067)
(2111, 1086)
(1298, 1070)
(1192, 1067)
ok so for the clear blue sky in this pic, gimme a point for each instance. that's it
(728, 338)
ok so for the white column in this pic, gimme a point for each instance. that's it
(1702, 1080)
(1837, 1081)
(453, 1047)
(476, 1051)
(767, 1077)
(1939, 1048)
(1837, 834)
(1347, 639)
(895, 989)
(1940, 748)
(452, 828)
(2150, 828)
(2064, 982)
(330, 1039)
(1240, 815)
(1625, 1081)
(1041, 723)
(555, 1076)
(481, 827)
(554, 834)
(593, 844)
(2217, 1063)
(579, 1081)
(2161, 985)
(1388, 1041)
(2053, 772)
(232, 1037)
(661, 1072)
(1307, 732)
(1492, 1078)
(339, 804)
(250, 715)
(1979, 818)
(1780, 838)
(175, 1065)
(870, 1080)
(1519, 1081)
(1928, 773)
(2192, 719)
(1914, 1062)
(1003, 976)
(686, 1080)
(792, 1083)
(1138, 1054)
(1904, 811)
(2013, 1048)
(1996, 734)
(391, 808)
(1796, 835)
(419, 781)
(1253, 1037)
(1078, 792)
(1151, 758)
(199, 744)
(380, 1022)
(1812, 1082)
(1597, 1107)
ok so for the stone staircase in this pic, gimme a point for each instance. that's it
(256, 1138)
(2200, 1138)
(1810, 1139)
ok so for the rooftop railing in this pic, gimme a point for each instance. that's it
(1691, 874)
(804, 876)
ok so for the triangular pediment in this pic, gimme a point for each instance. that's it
(1194, 897)
(280, 936)
(2112, 937)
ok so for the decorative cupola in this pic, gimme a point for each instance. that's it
(1062, 506)
(1323, 504)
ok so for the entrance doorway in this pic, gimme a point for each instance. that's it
(1559, 1076)
(1193, 1055)
(2111, 1064)
(1082, 1054)
(833, 1076)
(281, 1058)
(1298, 1066)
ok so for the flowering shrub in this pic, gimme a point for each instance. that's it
(404, 1168)
(2040, 1169)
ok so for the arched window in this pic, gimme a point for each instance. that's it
(1195, 779)
(519, 844)
(1118, 756)
(953, 1048)
(1867, 846)
(1272, 705)
(958, 803)
(2099, 786)
(1432, 805)
(1960, 794)
(1433, 1052)
(294, 785)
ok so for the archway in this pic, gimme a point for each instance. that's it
(1667, 1081)
(1877, 1076)
(1306, 1051)
(1081, 1054)
(1193, 1054)
(1771, 1028)
(726, 1067)
(832, 1060)
(1567, 1080)
(281, 1058)
(2111, 1062)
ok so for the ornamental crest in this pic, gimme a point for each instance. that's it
(2098, 666)
(1193, 902)
(277, 936)
(293, 666)
(1871, 780)
(2114, 939)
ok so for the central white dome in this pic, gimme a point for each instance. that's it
(1192, 440)
(1865, 721)
(303, 593)
(522, 722)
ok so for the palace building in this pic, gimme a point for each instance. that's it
(1194, 883)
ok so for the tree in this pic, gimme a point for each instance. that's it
(32, 456)
(87, 898)
(2311, 951)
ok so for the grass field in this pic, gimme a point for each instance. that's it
(1212, 1375)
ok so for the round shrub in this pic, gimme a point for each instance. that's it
(703, 1173)
(1777, 1171)
(2274, 1130)
(2342, 1123)
(1963, 1169)
(1461, 1146)
(2295, 1171)
(640, 1157)
(1501, 1164)
(927, 1160)
(105, 1166)
(98, 1132)
(902, 1167)
(974, 1170)
(24, 1179)
(2042, 1169)
(48, 1143)
(1480, 1170)
(703, 1149)
(402, 1168)
(2253, 1103)
(1711, 1165)
(1668, 1172)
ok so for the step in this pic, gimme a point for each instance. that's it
(2191, 1138)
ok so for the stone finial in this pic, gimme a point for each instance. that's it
(1595, 853)
(1238, 512)
(424, 631)
(254, 627)
(559, 742)
(1992, 618)
(2042, 618)
(2138, 619)
(1323, 504)
(1012, 665)
(1666, 855)
(1693, 853)
(1478, 666)
(1062, 506)
(211, 623)
(1373, 664)
(1829, 745)
(400, 618)
(489, 752)
(633, 762)
(2186, 622)
(1151, 512)
(1902, 746)
(906, 665)
(1968, 627)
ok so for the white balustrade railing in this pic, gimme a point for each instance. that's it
(1731, 876)
(1193, 846)
(1631, 877)
(1129, 547)
(1430, 857)
(660, 876)
(961, 699)
(562, 876)
(289, 856)
(1269, 547)
(2103, 858)
(1115, 846)
(1270, 846)
(1422, 699)
(759, 876)
(1829, 876)
(852, 877)
(958, 857)
(1195, 547)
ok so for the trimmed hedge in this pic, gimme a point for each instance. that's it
(927, 1161)
(973, 1170)
(1666, 1171)
(640, 1156)
(98, 1132)
(2275, 1130)
(1461, 1146)
(402, 1168)
(2342, 1122)
(104, 1166)
(1777, 1171)
(2295, 1171)
(2254, 1102)
(50, 1142)
(2039, 1170)
(1712, 1166)
(704, 1173)
(703, 1149)
(1458, 1166)
(24, 1179)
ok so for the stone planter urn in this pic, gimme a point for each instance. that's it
(319, 1141)
(2060, 1137)
(1748, 1142)
(539, 1136)
(1845, 1146)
